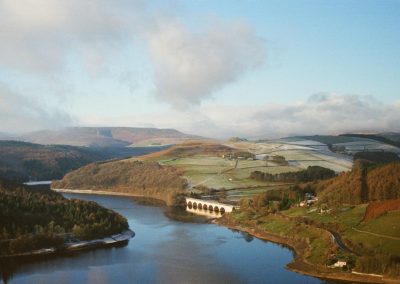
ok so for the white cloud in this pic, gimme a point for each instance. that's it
(324, 113)
(39, 36)
(23, 114)
(328, 113)
(191, 66)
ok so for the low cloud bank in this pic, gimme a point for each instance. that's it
(323, 113)
(24, 114)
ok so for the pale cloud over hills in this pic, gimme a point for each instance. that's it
(323, 113)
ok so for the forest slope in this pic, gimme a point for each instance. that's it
(142, 178)
(362, 184)
(27, 161)
(34, 219)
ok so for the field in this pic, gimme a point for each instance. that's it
(210, 168)
(319, 240)
(220, 173)
(300, 153)
(381, 234)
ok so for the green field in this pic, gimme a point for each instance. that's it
(319, 240)
(218, 173)
(387, 223)
(349, 220)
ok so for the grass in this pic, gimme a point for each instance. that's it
(319, 240)
(347, 217)
(213, 171)
(307, 158)
(387, 224)
(374, 244)
(277, 225)
(351, 217)
(217, 172)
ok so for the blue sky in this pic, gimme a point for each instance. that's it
(343, 46)
(215, 68)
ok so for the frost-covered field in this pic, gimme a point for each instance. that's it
(221, 173)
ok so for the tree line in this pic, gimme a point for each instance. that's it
(312, 173)
(35, 219)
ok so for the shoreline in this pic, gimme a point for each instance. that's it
(301, 265)
(97, 192)
(110, 193)
(298, 265)
(113, 240)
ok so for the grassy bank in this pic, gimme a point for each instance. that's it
(312, 245)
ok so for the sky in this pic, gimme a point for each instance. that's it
(254, 68)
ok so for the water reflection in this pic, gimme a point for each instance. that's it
(165, 251)
(11, 266)
(204, 212)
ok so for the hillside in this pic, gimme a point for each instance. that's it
(329, 139)
(148, 179)
(353, 143)
(34, 219)
(362, 185)
(376, 209)
(393, 136)
(387, 139)
(191, 148)
(225, 169)
(107, 136)
(26, 161)
(373, 158)
(153, 175)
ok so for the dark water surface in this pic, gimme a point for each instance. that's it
(166, 251)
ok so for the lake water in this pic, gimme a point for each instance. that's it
(165, 251)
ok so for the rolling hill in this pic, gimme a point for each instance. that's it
(139, 178)
(23, 161)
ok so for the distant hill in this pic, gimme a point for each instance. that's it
(23, 161)
(107, 136)
(393, 136)
(3, 136)
(328, 139)
(388, 139)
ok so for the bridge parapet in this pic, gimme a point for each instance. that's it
(210, 205)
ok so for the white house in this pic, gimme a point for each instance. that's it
(340, 263)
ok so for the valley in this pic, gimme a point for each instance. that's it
(269, 181)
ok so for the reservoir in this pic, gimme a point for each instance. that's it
(165, 250)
